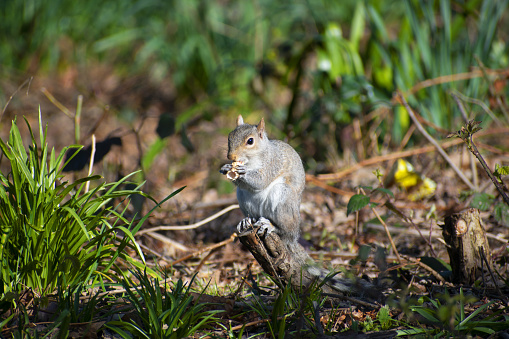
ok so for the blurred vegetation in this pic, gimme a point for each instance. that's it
(311, 67)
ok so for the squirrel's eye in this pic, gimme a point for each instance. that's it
(250, 141)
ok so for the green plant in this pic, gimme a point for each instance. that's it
(485, 202)
(55, 233)
(162, 311)
(448, 316)
(79, 311)
(433, 43)
(359, 201)
(291, 304)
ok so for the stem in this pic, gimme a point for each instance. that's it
(91, 166)
(77, 120)
(498, 185)
(386, 230)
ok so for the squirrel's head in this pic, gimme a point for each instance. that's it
(246, 140)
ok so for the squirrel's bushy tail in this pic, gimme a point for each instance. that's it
(328, 278)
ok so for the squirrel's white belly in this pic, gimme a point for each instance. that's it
(262, 203)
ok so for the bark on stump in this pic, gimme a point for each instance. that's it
(298, 268)
(276, 260)
(468, 247)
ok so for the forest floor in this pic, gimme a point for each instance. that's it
(353, 243)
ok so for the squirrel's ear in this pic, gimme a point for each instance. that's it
(261, 128)
(240, 121)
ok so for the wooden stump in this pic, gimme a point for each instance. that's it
(296, 267)
(468, 247)
(276, 260)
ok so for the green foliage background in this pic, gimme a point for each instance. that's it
(339, 59)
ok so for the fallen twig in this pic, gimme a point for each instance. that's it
(27, 81)
(476, 73)
(167, 241)
(189, 227)
(205, 249)
(375, 160)
(433, 141)
(352, 300)
(429, 269)
(386, 230)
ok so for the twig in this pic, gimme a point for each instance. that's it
(202, 262)
(429, 269)
(57, 103)
(29, 81)
(397, 155)
(348, 194)
(476, 73)
(353, 300)
(242, 282)
(466, 134)
(471, 158)
(433, 141)
(189, 227)
(409, 220)
(167, 241)
(457, 96)
(386, 230)
(327, 187)
(497, 184)
(435, 234)
(482, 254)
(490, 148)
(493, 92)
(254, 323)
(203, 250)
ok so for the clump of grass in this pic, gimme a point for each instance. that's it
(54, 233)
(166, 310)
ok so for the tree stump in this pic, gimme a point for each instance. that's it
(276, 260)
(297, 267)
(468, 247)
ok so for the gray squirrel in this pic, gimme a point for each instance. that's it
(270, 178)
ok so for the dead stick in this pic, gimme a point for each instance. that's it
(376, 160)
(27, 81)
(433, 141)
(397, 155)
(189, 227)
(203, 250)
(476, 73)
(254, 323)
(353, 300)
(498, 185)
(386, 230)
(429, 269)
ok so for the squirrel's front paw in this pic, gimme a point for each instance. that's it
(245, 226)
(265, 226)
(225, 169)
(240, 169)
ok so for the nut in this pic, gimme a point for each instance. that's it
(233, 174)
